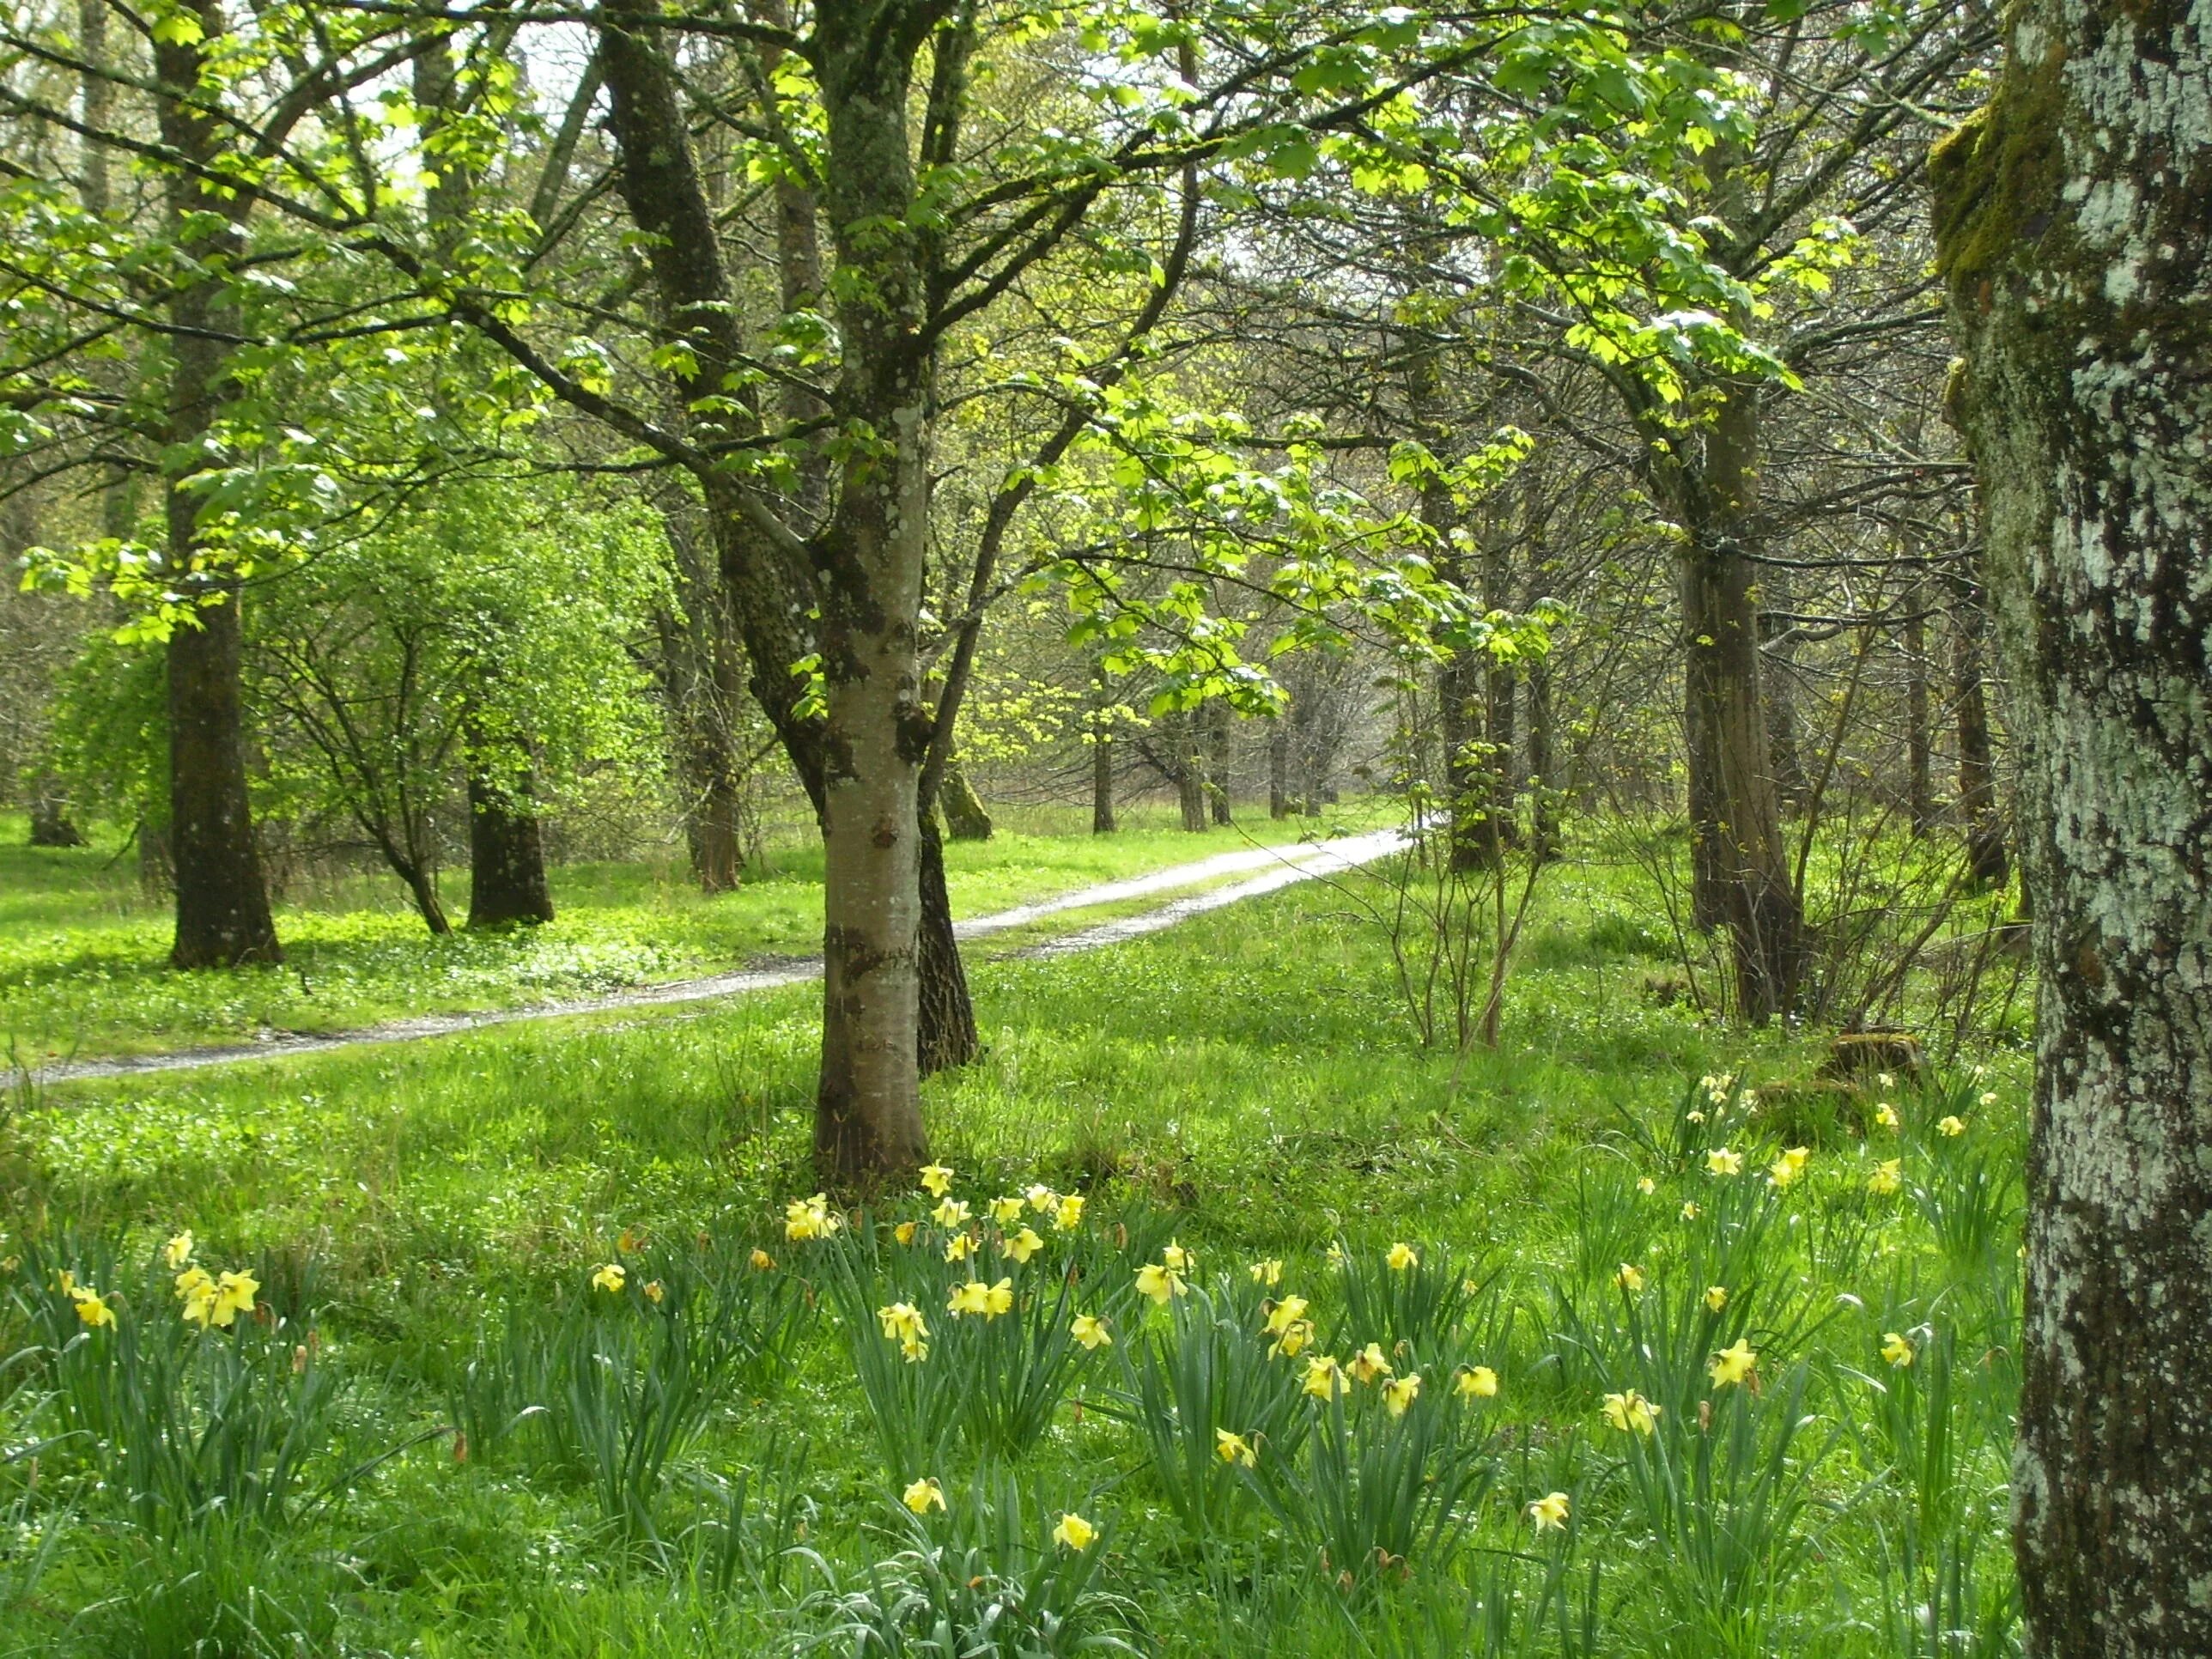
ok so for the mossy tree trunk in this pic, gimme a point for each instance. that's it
(2076, 247)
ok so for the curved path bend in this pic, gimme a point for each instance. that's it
(1277, 867)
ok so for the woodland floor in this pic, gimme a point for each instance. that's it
(1247, 1082)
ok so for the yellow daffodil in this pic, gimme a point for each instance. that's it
(1177, 1259)
(1631, 1412)
(1268, 1273)
(900, 1321)
(1160, 1282)
(914, 1349)
(1402, 1257)
(923, 1496)
(808, 1217)
(1886, 1115)
(1748, 1100)
(1006, 1211)
(1324, 1377)
(1091, 1331)
(1022, 1246)
(1476, 1383)
(630, 1243)
(1398, 1395)
(1788, 1167)
(1368, 1365)
(1646, 1185)
(653, 1291)
(1336, 1253)
(1630, 1278)
(1717, 1296)
(1292, 1339)
(1989, 1098)
(1075, 1532)
(1883, 1080)
(936, 1180)
(1068, 1213)
(1951, 1126)
(1281, 1316)
(92, 1307)
(1549, 1512)
(905, 1230)
(1233, 1447)
(1732, 1365)
(610, 1278)
(1699, 1117)
(762, 1261)
(1888, 1175)
(977, 1297)
(950, 1213)
(1724, 1162)
(1690, 1211)
(959, 1247)
(1895, 1349)
(178, 1251)
(1040, 1197)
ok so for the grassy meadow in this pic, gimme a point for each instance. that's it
(1633, 1337)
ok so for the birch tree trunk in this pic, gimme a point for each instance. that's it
(2077, 249)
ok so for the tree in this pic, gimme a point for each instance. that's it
(2077, 254)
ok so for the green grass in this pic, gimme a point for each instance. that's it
(1246, 1082)
(81, 951)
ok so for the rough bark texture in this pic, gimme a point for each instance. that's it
(1278, 769)
(2076, 244)
(223, 915)
(946, 1019)
(1182, 731)
(506, 855)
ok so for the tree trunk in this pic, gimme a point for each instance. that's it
(964, 815)
(506, 854)
(51, 824)
(1278, 769)
(1988, 861)
(868, 1109)
(1738, 831)
(1218, 733)
(1102, 759)
(1189, 770)
(223, 915)
(1778, 691)
(946, 1019)
(1919, 788)
(1544, 814)
(2077, 256)
(422, 885)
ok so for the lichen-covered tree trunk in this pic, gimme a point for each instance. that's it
(2076, 247)
(1102, 755)
(1217, 757)
(965, 815)
(223, 915)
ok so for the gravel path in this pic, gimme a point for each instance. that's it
(1277, 867)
